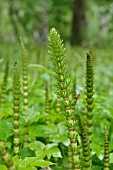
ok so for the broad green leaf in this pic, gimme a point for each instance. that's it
(60, 139)
(62, 128)
(51, 145)
(5, 111)
(26, 152)
(53, 150)
(34, 115)
(33, 161)
(40, 154)
(36, 145)
(65, 140)
(3, 167)
(42, 130)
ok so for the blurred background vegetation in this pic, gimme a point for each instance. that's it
(85, 24)
(79, 22)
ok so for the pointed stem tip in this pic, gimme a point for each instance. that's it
(88, 56)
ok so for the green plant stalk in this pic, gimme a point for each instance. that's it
(25, 74)
(57, 54)
(16, 108)
(57, 111)
(106, 151)
(6, 157)
(70, 155)
(89, 100)
(85, 146)
(3, 93)
(25, 89)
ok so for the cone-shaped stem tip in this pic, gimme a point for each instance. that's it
(88, 56)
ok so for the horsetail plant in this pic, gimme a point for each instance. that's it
(85, 146)
(25, 74)
(25, 89)
(106, 151)
(16, 108)
(89, 101)
(3, 93)
(57, 55)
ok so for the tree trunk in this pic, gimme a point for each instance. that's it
(78, 22)
(41, 31)
(12, 19)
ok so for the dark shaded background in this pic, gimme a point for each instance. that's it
(79, 22)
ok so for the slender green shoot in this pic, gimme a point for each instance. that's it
(106, 151)
(25, 89)
(4, 86)
(89, 100)
(16, 108)
(57, 55)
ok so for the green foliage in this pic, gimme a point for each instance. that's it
(29, 163)
(38, 152)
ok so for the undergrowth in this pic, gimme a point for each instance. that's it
(64, 120)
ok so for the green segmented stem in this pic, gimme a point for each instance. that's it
(3, 93)
(6, 157)
(70, 155)
(25, 89)
(58, 105)
(106, 151)
(57, 54)
(89, 100)
(25, 74)
(85, 146)
(58, 111)
(16, 108)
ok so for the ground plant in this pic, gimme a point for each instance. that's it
(56, 108)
